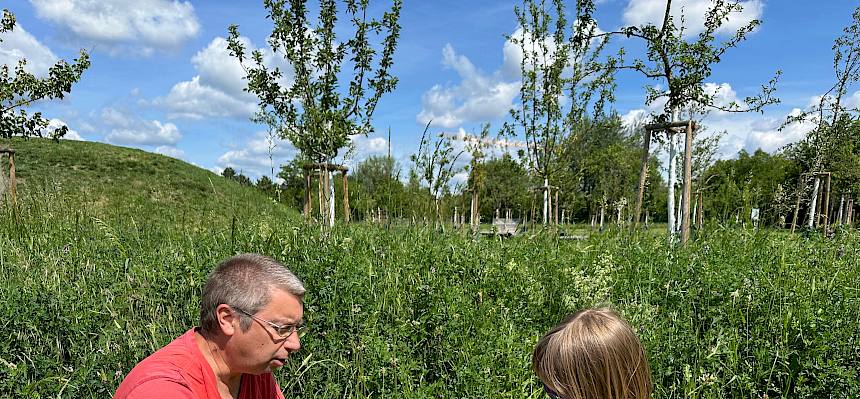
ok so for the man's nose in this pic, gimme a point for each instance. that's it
(293, 342)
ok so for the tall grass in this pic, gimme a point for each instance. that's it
(86, 292)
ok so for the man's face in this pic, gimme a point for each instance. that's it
(260, 349)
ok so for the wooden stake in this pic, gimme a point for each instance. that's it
(345, 197)
(819, 206)
(827, 203)
(688, 183)
(643, 176)
(797, 203)
(556, 206)
(13, 183)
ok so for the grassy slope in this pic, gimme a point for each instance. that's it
(118, 181)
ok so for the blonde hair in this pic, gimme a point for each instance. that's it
(592, 354)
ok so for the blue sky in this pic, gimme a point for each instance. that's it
(161, 79)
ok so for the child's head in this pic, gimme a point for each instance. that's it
(592, 354)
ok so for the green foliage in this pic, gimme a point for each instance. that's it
(683, 66)
(318, 111)
(505, 186)
(435, 164)
(735, 186)
(560, 62)
(375, 184)
(293, 187)
(832, 145)
(19, 88)
(231, 174)
(413, 313)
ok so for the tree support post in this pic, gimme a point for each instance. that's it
(688, 183)
(700, 223)
(643, 176)
(307, 205)
(345, 197)
(827, 203)
(13, 183)
(797, 203)
(473, 211)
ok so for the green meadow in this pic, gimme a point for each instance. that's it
(103, 258)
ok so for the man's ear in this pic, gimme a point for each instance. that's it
(228, 321)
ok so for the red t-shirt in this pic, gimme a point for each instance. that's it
(179, 370)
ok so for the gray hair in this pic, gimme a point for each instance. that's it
(245, 282)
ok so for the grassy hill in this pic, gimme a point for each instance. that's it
(117, 181)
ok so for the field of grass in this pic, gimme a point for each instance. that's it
(92, 281)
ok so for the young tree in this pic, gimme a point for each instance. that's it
(435, 164)
(562, 77)
(681, 67)
(19, 89)
(322, 106)
(825, 145)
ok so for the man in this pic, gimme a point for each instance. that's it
(250, 314)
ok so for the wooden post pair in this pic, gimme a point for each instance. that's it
(688, 128)
(13, 183)
(819, 209)
(328, 168)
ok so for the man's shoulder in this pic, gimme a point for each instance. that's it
(176, 365)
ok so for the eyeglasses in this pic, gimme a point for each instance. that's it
(283, 331)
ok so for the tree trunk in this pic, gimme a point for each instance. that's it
(321, 188)
(545, 200)
(672, 175)
(827, 204)
(602, 214)
(307, 205)
(841, 207)
(346, 212)
(688, 182)
(330, 198)
(813, 206)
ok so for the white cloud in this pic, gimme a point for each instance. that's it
(723, 94)
(853, 101)
(142, 26)
(252, 158)
(170, 151)
(744, 131)
(366, 146)
(20, 44)
(70, 134)
(148, 133)
(194, 100)
(640, 12)
(218, 88)
(478, 97)
(135, 131)
(219, 70)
